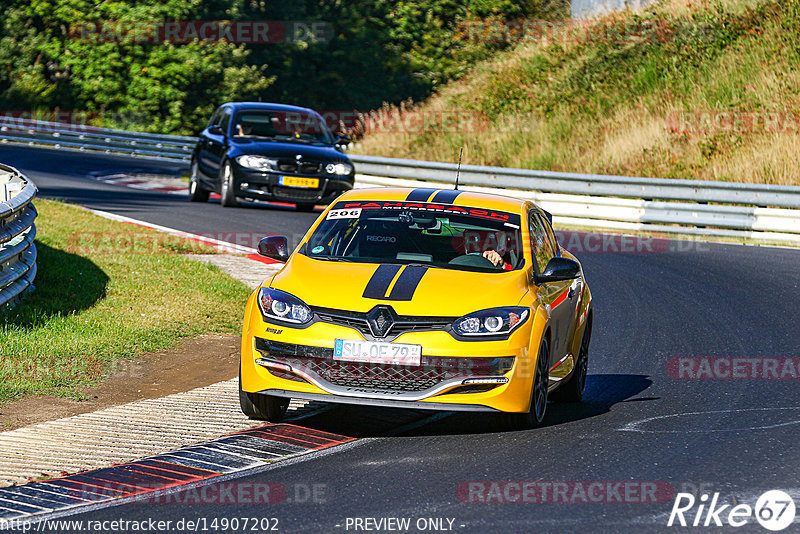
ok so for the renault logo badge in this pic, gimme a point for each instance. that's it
(380, 319)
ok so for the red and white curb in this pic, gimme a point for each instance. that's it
(134, 182)
(150, 477)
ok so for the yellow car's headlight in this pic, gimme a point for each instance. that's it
(491, 322)
(279, 306)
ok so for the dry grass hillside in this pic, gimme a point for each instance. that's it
(685, 89)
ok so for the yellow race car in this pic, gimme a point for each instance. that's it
(419, 298)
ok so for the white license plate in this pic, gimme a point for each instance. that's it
(353, 350)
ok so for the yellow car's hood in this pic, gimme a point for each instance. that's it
(409, 289)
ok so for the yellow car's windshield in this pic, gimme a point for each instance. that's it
(435, 235)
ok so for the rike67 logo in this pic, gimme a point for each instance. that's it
(774, 510)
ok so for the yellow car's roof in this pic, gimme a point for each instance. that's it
(462, 198)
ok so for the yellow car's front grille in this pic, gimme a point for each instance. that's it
(318, 362)
(400, 324)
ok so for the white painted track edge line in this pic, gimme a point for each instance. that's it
(222, 245)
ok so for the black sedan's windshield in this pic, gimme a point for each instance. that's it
(283, 126)
(449, 236)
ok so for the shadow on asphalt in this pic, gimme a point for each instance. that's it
(602, 392)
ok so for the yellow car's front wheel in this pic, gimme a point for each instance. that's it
(538, 407)
(262, 407)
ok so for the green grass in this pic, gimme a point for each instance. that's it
(604, 105)
(112, 292)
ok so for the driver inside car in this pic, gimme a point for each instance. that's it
(493, 246)
(244, 129)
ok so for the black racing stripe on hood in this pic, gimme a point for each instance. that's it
(446, 196)
(379, 282)
(420, 194)
(407, 284)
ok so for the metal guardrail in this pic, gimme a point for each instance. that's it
(174, 148)
(753, 211)
(725, 209)
(760, 224)
(697, 191)
(17, 231)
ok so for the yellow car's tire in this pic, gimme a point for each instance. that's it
(262, 407)
(572, 390)
(535, 415)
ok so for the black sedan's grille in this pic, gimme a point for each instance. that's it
(295, 193)
(391, 378)
(301, 167)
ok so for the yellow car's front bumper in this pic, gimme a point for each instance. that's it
(297, 362)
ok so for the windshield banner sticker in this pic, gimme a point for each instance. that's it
(449, 209)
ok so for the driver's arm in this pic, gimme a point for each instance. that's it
(494, 257)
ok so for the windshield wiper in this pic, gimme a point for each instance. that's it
(302, 141)
(332, 258)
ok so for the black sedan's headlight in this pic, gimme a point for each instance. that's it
(279, 306)
(491, 322)
(339, 169)
(257, 163)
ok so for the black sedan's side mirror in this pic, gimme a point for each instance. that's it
(215, 130)
(275, 247)
(559, 269)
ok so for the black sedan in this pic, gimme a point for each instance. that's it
(271, 152)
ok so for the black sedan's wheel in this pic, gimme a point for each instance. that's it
(227, 190)
(572, 390)
(305, 207)
(196, 191)
(262, 407)
(535, 415)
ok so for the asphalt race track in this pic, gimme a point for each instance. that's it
(63, 174)
(644, 422)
